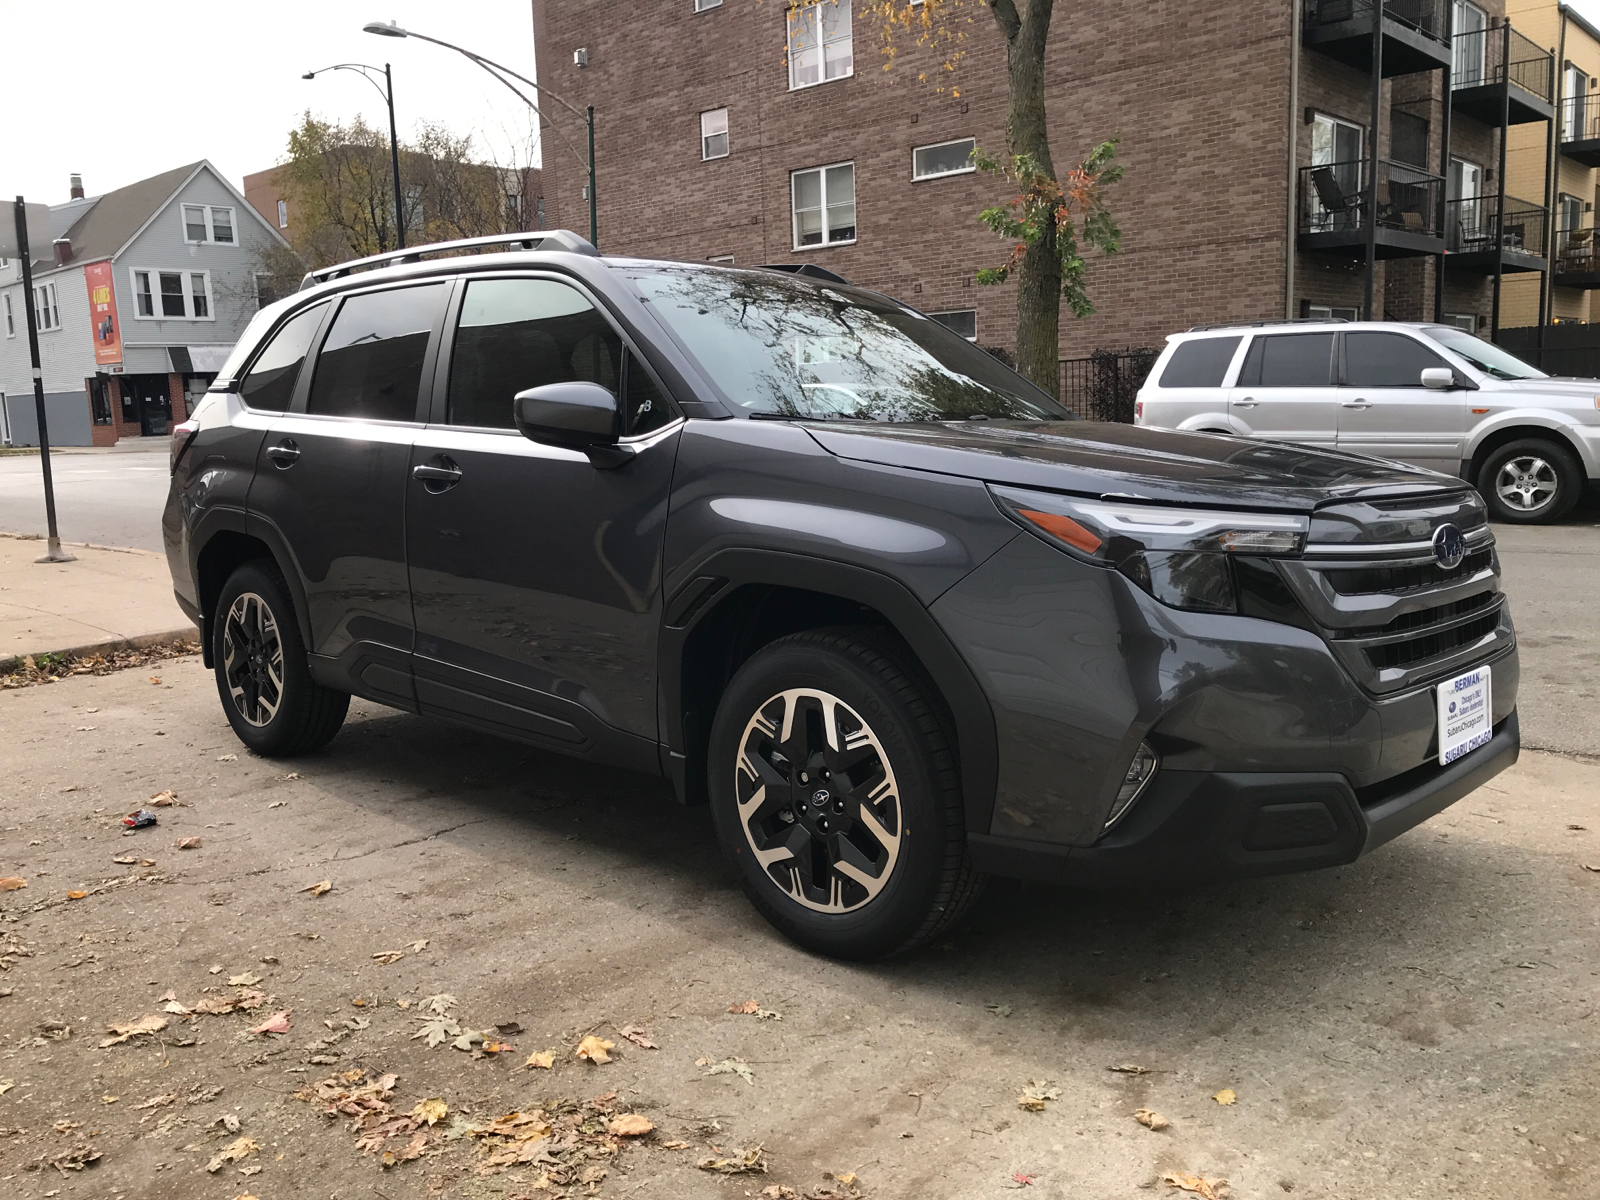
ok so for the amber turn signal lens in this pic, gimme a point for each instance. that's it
(1063, 529)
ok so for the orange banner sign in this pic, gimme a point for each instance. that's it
(103, 314)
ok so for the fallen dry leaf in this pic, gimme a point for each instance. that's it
(278, 1022)
(109, 1099)
(317, 889)
(543, 1059)
(1150, 1119)
(1035, 1094)
(436, 1030)
(12, 883)
(241, 1148)
(1130, 1069)
(745, 1162)
(1595, 867)
(164, 799)
(76, 895)
(595, 1049)
(384, 958)
(629, 1125)
(1225, 1096)
(157, 1101)
(417, 947)
(674, 1145)
(746, 1008)
(189, 843)
(220, 757)
(508, 1028)
(1022, 1178)
(6, 1085)
(244, 979)
(432, 1111)
(126, 860)
(729, 1066)
(144, 1026)
(1207, 1189)
(639, 1036)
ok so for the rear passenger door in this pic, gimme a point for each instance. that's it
(331, 480)
(1285, 391)
(1190, 388)
(535, 575)
(1384, 410)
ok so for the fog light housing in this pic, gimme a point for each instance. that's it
(1146, 762)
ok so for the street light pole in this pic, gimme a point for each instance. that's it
(387, 92)
(391, 29)
(53, 551)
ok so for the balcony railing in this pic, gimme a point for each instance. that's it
(1489, 56)
(1575, 249)
(1474, 226)
(1580, 118)
(1336, 198)
(1425, 16)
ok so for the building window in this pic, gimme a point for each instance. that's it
(205, 223)
(1574, 106)
(1408, 139)
(1469, 27)
(1467, 321)
(947, 158)
(11, 321)
(824, 201)
(173, 295)
(963, 321)
(1329, 312)
(714, 134)
(706, 5)
(725, 259)
(819, 42)
(100, 402)
(283, 214)
(197, 295)
(141, 292)
(45, 309)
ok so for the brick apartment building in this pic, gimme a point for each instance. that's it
(1246, 131)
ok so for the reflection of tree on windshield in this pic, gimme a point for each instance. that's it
(786, 347)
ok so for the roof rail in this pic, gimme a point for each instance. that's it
(1261, 324)
(809, 270)
(543, 239)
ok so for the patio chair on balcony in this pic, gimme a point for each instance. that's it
(1333, 201)
(1577, 251)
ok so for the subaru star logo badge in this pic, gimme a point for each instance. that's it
(820, 797)
(1449, 547)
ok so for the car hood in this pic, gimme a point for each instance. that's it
(1094, 459)
(1564, 391)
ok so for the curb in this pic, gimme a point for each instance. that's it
(139, 642)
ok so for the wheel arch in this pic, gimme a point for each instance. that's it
(741, 600)
(1492, 440)
(226, 543)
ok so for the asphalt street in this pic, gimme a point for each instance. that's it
(106, 499)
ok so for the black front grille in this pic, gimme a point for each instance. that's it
(1392, 655)
(1424, 617)
(1410, 577)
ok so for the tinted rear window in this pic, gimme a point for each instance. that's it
(1386, 360)
(1199, 363)
(371, 361)
(1289, 360)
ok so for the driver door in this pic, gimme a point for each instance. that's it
(535, 575)
(1385, 411)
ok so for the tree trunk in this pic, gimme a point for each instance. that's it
(1039, 275)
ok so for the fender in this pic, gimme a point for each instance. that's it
(696, 602)
(1535, 418)
(1206, 422)
(234, 520)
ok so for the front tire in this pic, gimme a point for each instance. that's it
(273, 704)
(835, 793)
(1530, 481)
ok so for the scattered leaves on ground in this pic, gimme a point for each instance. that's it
(145, 1026)
(437, 1030)
(244, 979)
(749, 1008)
(629, 1125)
(1150, 1119)
(239, 1149)
(542, 1059)
(12, 883)
(728, 1066)
(735, 1162)
(319, 888)
(1022, 1178)
(278, 1022)
(639, 1036)
(438, 1005)
(431, 1111)
(76, 1159)
(1000, 1010)
(385, 957)
(596, 1049)
(54, 667)
(76, 895)
(1207, 1189)
(1225, 1096)
(1035, 1094)
(189, 843)
(164, 799)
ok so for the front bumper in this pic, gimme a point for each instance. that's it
(1197, 826)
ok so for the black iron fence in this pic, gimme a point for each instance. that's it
(1102, 387)
(1571, 349)
(1487, 56)
(1474, 225)
(1580, 118)
(1336, 198)
(1426, 16)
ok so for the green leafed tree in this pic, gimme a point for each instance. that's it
(1052, 219)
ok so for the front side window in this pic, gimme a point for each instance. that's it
(782, 347)
(172, 294)
(824, 201)
(947, 158)
(516, 334)
(269, 384)
(1386, 360)
(1288, 360)
(371, 361)
(819, 42)
(714, 134)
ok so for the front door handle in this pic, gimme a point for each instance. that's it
(285, 454)
(1247, 402)
(439, 474)
(1355, 404)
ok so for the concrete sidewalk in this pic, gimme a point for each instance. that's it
(107, 600)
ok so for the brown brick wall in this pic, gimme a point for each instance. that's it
(1198, 94)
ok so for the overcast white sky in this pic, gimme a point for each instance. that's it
(120, 91)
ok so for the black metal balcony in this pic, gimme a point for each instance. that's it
(1337, 206)
(1479, 241)
(1499, 71)
(1413, 33)
(1576, 265)
(1579, 123)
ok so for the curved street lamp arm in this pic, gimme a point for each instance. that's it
(485, 62)
(359, 68)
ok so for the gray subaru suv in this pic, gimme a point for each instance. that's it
(897, 617)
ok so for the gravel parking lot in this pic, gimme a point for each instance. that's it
(1420, 1024)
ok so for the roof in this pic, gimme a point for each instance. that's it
(118, 215)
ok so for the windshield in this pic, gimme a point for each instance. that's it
(1487, 357)
(781, 347)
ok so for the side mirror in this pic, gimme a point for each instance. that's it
(579, 416)
(1438, 378)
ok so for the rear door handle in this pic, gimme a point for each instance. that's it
(1355, 404)
(285, 454)
(438, 475)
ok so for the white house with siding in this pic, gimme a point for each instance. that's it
(176, 259)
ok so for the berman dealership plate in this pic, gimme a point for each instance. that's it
(1465, 714)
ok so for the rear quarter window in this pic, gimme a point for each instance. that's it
(1199, 363)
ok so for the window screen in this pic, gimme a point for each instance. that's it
(516, 334)
(1289, 360)
(1386, 360)
(1200, 362)
(371, 362)
(270, 383)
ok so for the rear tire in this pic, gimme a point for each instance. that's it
(852, 844)
(1530, 481)
(275, 707)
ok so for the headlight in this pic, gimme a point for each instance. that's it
(1179, 555)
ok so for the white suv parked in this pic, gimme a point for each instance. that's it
(1430, 395)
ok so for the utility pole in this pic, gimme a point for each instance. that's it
(53, 552)
(394, 158)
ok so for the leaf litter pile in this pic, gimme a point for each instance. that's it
(52, 668)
